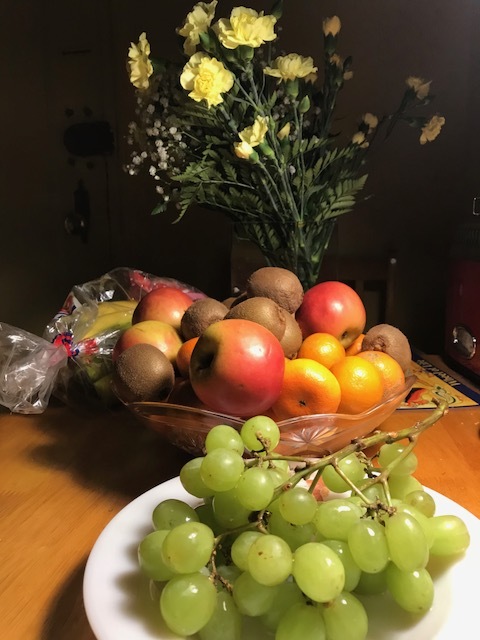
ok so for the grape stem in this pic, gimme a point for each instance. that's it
(357, 445)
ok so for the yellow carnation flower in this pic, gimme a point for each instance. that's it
(206, 79)
(197, 22)
(291, 67)
(370, 120)
(246, 27)
(139, 62)
(255, 134)
(359, 138)
(243, 150)
(421, 88)
(331, 26)
(431, 129)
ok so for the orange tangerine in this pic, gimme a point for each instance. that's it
(360, 384)
(322, 347)
(308, 388)
(183, 356)
(356, 346)
(390, 370)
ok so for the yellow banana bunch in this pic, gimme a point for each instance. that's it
(111, 315)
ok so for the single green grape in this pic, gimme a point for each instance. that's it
(222, 436)
(297, 505)
(172, 512)
(423, 521)
(368, 545)
(407, 543)
(188, 547)
(333, 518)
(318, 571)
(450, 535)
(390, 452)
(241, 546)
(400, 486)
(255, 488)
(191, 479)
(352, 570)
(150, 556)
(270, 560)
(228, 511)
(294, 534)
(251, 597)
(263, 426)
(350, 466)
(206, 515)
(187, 603)
(411, 590)
(422, 501)
(301, 622)
(372, 583)
(221, 469)
(226, 621)
(345, 618)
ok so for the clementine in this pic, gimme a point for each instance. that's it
(183, 356)
(360, 384)
(308, 388)
(390, 370)
(322, 347)
(356, 346)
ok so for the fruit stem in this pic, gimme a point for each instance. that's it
(359, 444)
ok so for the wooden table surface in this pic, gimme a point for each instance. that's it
(63, 476)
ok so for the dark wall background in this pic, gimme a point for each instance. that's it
(69, 66)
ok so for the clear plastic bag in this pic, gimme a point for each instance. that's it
(72, 360)
(29, 366)
(88, 325)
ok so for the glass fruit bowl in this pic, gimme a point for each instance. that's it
(312, 435)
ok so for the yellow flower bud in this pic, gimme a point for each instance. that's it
(284, 131)
(331, 26)
(242, 150)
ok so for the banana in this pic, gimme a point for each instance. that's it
(112, 316)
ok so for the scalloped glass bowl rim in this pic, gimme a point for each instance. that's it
(294, 431)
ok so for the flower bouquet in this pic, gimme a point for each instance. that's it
(242, 130)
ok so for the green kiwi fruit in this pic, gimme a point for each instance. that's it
(200, 315)
(143, 373)
(263, 311)
(387, 338)
(278, 284)
(292, 338)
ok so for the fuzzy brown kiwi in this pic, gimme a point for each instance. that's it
(264, 311)
(281, 285)
(143, 373)
(200, 315)
(292, 338)
(387, 338)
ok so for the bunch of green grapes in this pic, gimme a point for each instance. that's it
(259, 548)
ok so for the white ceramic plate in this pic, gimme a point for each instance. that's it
(118, 605)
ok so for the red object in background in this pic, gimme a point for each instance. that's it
(462, 326)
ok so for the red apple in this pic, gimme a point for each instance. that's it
(160, 334)
(332, 307)
(237, 367)
(166, 304)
